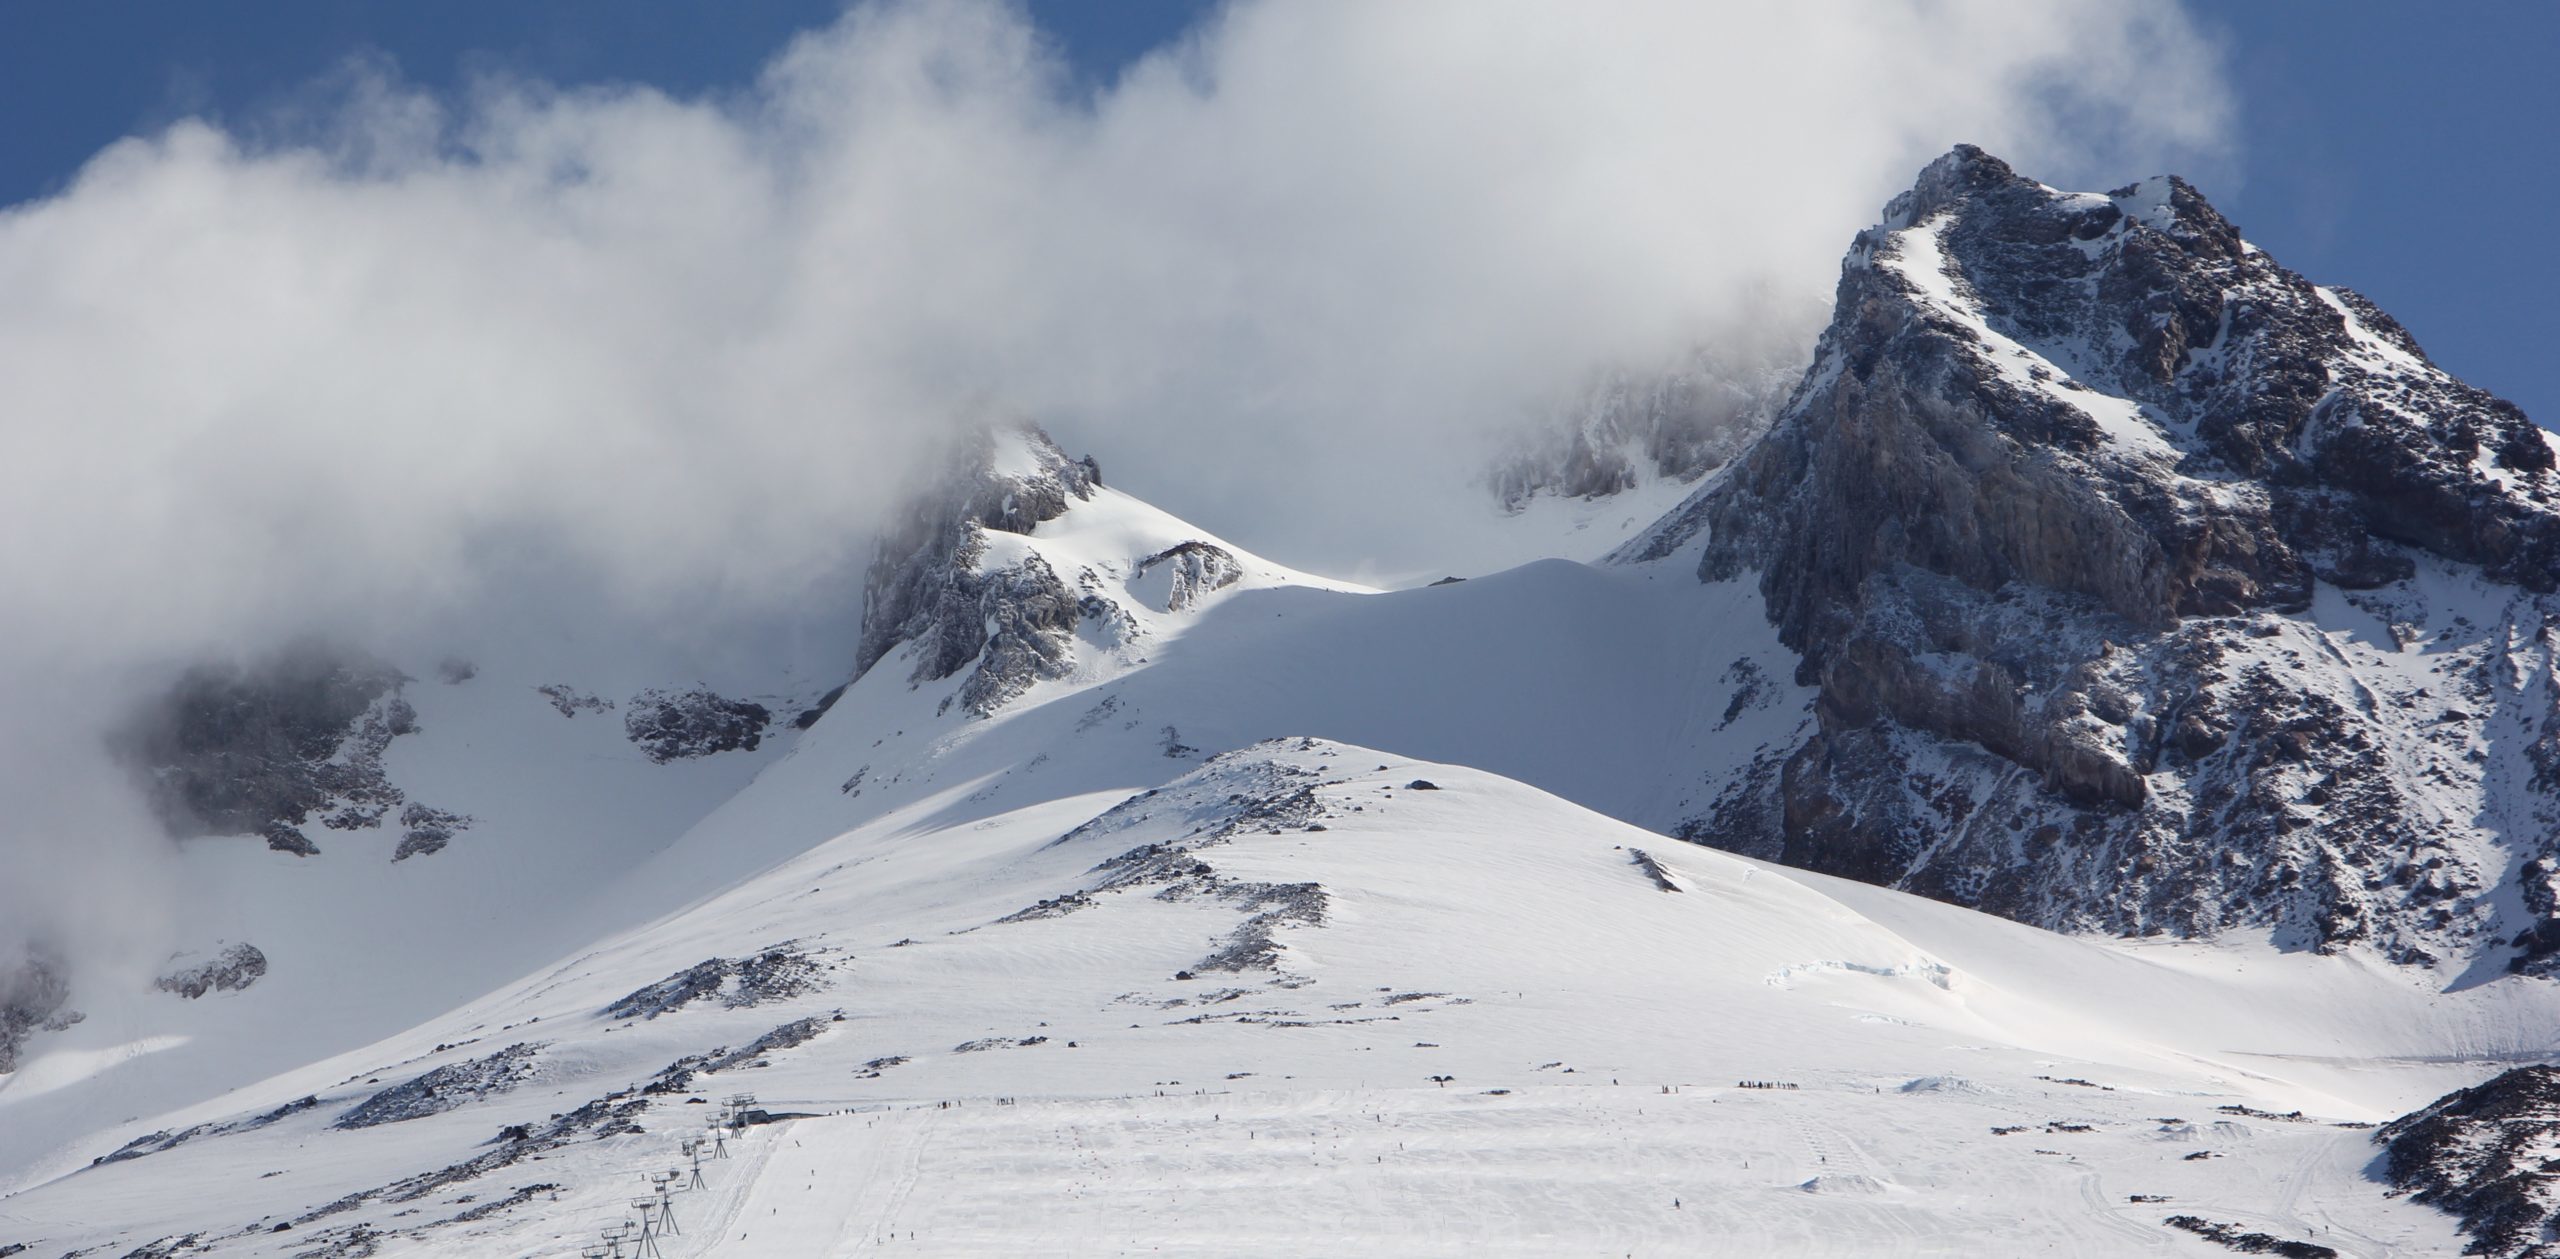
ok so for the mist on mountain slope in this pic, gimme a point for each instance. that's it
(390, 366)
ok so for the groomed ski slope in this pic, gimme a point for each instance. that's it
(1482, 931)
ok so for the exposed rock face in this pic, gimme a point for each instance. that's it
(425, 830)
(34, 997)
(739, 982)
(569, 701)
(933, 585)
(258, 750)
(232, 970)
(2246, 1240)
(1194, 570)
(165, 1139)
(1677, 424)
(1247, 791)
(2487, 1154)
(679, 1076)
(444, 1088)
(683, 725)
(610, 1116)
(2117, 552)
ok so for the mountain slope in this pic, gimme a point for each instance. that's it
(991, 900)
(1180, 645)
(2148, 588)
(2062, 587)
(533, 752)
(1294, 993)
(2485, 1153)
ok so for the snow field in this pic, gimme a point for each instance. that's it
(1484, 931)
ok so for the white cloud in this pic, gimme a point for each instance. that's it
(1284, 278)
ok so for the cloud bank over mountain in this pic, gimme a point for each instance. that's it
(386, 361)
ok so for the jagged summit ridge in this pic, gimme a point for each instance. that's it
(925, 582)
(1018, 567)
(2199, 430)
(2079, 520)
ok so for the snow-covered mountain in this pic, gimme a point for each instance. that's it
(2149, 588)
(1444, 1009)
(1106, 887)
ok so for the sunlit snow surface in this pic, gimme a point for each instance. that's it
(1483, 931)
(1048, 1082)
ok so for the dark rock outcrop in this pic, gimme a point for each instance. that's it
(425, 830)
(259, 749)
(2246, 1240)
(2491, 1155)
(679, 1076)
(1010, 624)
(1194, 570)
(684, 725)
(232, 970)
(2044, 520)
(34, 997)
(613, 1115)
(1237, 793)
(569, 701)
(739, 982)
(809, 716)
(445, 1088)
(165, 1140)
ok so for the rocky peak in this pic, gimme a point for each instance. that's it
(2202, 431)
(34, 996)
(2059, 495)
(929, 586)
(1006, 480)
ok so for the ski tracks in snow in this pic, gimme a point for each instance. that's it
(832, 1185)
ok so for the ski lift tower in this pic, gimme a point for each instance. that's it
(647, 1243)
(665, 1184)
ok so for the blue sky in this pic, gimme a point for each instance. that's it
(75, 77)
(2403, 150)
(2411, 152)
